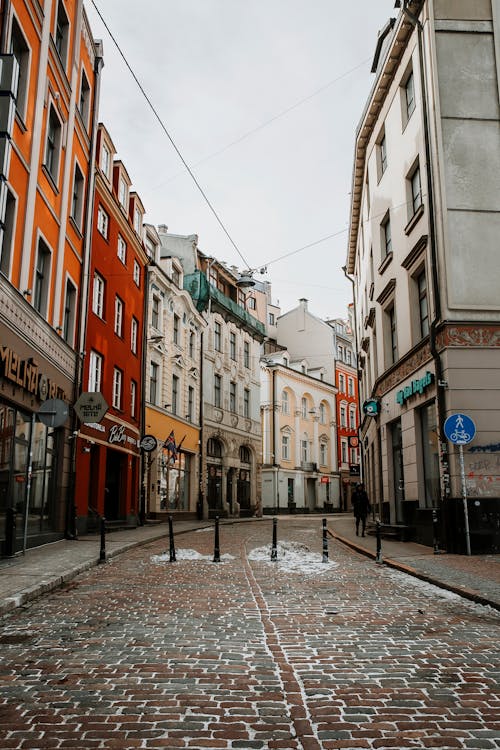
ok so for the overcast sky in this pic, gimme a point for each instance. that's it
(262, 98)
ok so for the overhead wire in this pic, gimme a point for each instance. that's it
(164, 128)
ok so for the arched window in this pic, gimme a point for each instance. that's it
(303, 408)
(214, 448)
(244, 454)
(322, 413)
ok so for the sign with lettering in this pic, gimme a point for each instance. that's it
(27, 374)
(90, 407)
(419, 385)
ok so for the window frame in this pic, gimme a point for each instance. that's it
(102, 223)
(41, 277)
(121, 249)
(98, 295)
(217, 391)
(52, 155)
(95, 371)
(117, 388)
(119, 316)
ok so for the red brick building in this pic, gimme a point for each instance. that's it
(108, 456)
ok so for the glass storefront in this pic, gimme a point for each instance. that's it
(175, 482)
(430, 454)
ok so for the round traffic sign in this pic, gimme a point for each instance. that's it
(53, 412)
(459, 429)
(148, 443)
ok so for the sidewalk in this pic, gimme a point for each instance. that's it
(43, 569)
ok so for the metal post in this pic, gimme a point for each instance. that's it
(464, 496)
(325, 543)
(274, 548)
(171, 539)
(102, 553)
(378, 558)
(435, 531)
(217, 546)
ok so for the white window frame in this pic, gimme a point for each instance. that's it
(137, 273)
(77, 196)
(105, 160)
(138, 221)
(134, 333)
(95, 372)
(102, 222)
(117, 388)
(119, 307)
(98, 292)
(323, 453)
(285, 447)
(303, 407)
(123, 194)
(285, 403)
(133, 398)
(121, 249)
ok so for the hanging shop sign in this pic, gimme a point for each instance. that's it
(325, 480)
(371, 407)
(417, 386)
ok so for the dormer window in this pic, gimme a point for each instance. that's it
(105, 160)
(123, 193)
(137, 221)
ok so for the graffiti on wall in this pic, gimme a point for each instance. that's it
(482, 472)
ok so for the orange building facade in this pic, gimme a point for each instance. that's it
(107, 451)
(49, 93)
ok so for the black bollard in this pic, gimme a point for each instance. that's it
(325, 543)
(102, 553)
(171, 539)
(216, 546)
(435, 532)
(378, 557)
(274, 548)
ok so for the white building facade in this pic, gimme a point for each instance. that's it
(423, 254)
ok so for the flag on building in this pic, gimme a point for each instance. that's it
(169, 445)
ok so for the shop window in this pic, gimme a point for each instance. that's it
(430, 454)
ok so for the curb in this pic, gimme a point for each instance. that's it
(391, 563)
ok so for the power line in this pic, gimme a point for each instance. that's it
(163, 127)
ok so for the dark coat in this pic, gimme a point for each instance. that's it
(360, 504)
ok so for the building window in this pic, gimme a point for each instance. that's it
(105, 160)
(190, 403)
(77, 199)
(176, 329)
(409, 96)
(382, 153)
(423, 304)
(343, 449)
(322, 413)
(285, 447)
(121, 249)
(95, 372)
(386, 237)
(134, 331)
(430, 454)
(340, 353)
(348, 356)
(212, 276)
(42, 279)
(102, 222)
(304, 450)
(175, 394)
(123, 194)
(251, 303)
(192, 339)
(84, 103)
(153, 382)
(350, 382)
(352, 417)
(393, 335)
(133, 398)
(271, 319)
(98, 296)
(138, 221)
(118, 316)
(155, 312)
(176, 277)
(137, 273)
(285, 404)
(19, 48)
(8, 235)
(303, 408)
(218, 337)
(217, 391)
(343, 416)
(246, 354)
(246, 403)
(245, 455)
(241, 298)
(53, 144)
(214, 448)
(232, 397)
(117, 388)
(69, 312)
(416, 190)
(232, 345)
(341, 383)
(323, 454)
(62, 33)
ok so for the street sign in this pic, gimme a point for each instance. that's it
(90, 407)
(148, 443)
(371, 407)
(459, 429)
(53, 412)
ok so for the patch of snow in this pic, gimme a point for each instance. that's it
(188, 554)
(293, 557)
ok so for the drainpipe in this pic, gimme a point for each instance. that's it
(71, 527)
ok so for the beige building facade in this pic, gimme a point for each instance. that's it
(423, 255)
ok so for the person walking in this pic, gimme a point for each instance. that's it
(361, 508)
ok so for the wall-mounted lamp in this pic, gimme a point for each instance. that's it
(167, 406)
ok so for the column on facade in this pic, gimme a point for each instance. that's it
(267, 449)
(333, 449)
(315, 450)
(297, 437)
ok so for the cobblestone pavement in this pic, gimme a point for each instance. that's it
(144, 653)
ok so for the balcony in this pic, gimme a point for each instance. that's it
(308, 466)
(202, 293)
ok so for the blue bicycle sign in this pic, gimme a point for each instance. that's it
(459, 429)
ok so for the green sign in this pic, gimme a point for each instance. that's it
(371, 407)
(418, 385)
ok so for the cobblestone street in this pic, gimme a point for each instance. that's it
(245, 653)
